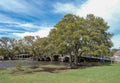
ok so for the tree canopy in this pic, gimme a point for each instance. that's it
(80, 36)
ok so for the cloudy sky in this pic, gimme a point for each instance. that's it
(19, 18)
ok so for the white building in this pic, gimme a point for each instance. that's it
(117, 56)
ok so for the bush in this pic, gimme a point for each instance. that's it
(19, 67)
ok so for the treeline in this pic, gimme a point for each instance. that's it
(27, 45)
(73, 35)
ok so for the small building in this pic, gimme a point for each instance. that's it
(1, 57)
(116, 56)
(21, 56)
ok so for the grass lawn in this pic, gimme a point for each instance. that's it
(99, 74)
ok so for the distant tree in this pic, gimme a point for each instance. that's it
(40, 46)
(28, 42)
(7, 45)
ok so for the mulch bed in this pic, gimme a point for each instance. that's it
(3, 68)
(43, 69)
(34, 69)
(53, 70)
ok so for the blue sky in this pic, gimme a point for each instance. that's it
(19, 18)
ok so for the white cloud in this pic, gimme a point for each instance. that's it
(22, 7)
(24, 26)
(64, 8)
(14, 23)
(103, 8)
(14, 6)
(41, 33)
(28, 25)
(5, 30)
(6, 19)
(107, 9)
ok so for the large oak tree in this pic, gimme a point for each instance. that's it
(79, 36)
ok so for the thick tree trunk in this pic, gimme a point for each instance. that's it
(76, 55)
(73, 62)
(76, 60)
(72, 58)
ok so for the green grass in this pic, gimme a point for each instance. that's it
(99, 74)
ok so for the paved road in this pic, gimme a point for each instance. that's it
(8, 64)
